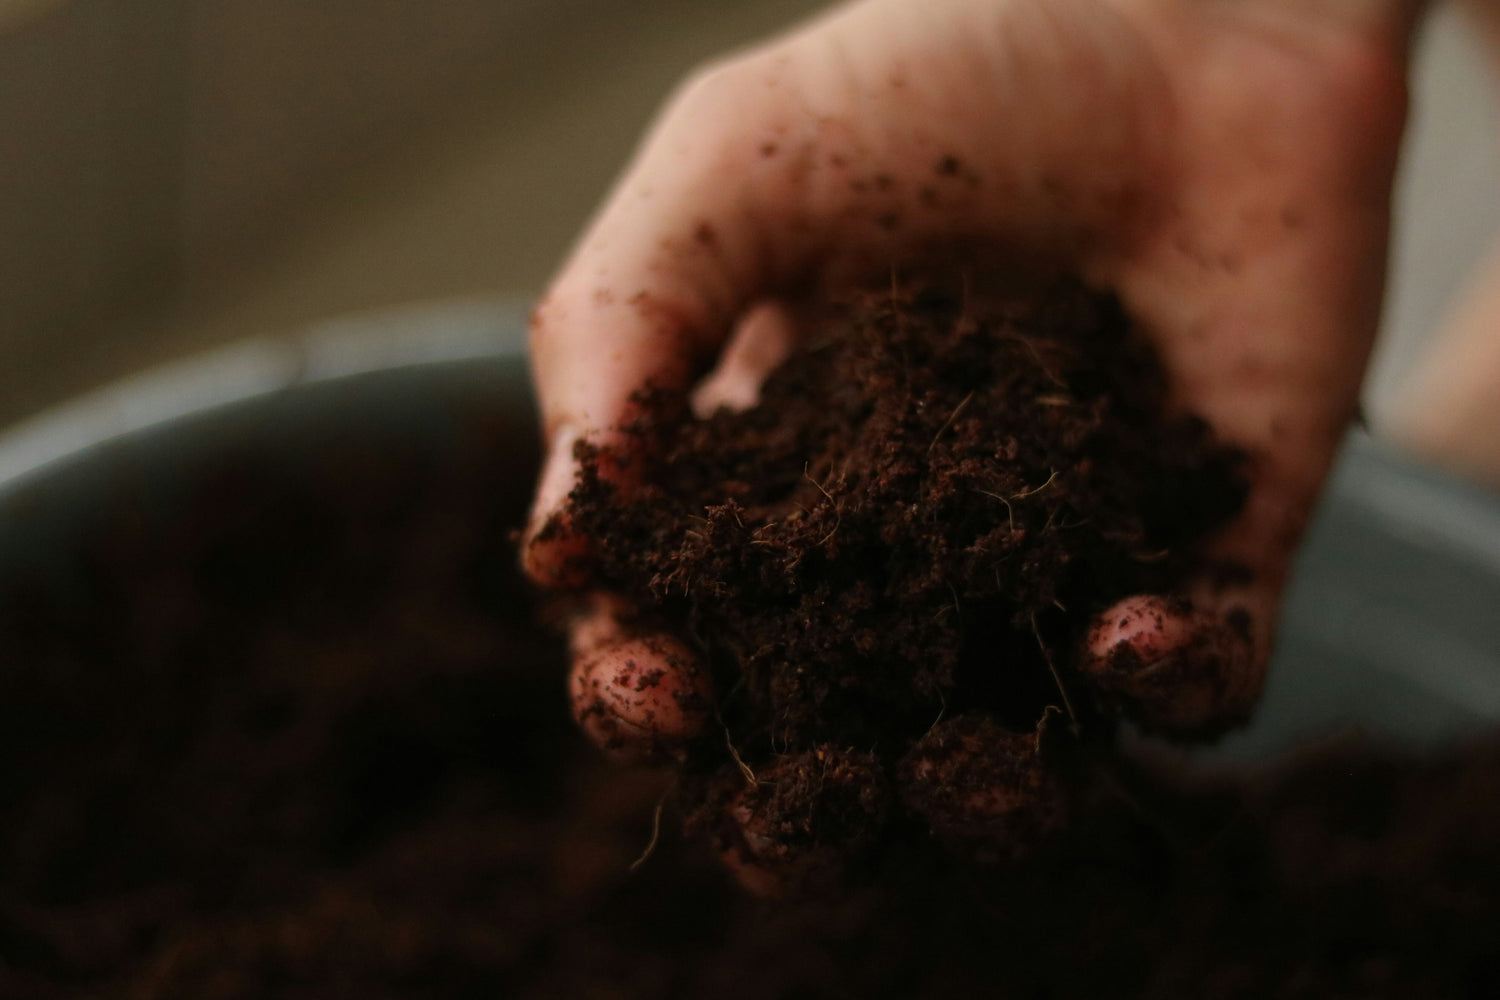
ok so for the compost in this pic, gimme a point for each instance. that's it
(899, 550)
(290, 729)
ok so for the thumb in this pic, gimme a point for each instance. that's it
(648, 296)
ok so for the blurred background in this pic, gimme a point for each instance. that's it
(176, 175)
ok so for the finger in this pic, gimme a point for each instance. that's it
(1271, 358)
(1179, 667)
(652, 290)
(760, 343)
(552, 554)
(1261, 291)
(640, 698)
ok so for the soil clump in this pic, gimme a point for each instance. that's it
(900, 545)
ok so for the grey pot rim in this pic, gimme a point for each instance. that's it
(427, 333)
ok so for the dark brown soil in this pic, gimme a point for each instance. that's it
(295, 735)
(916, 523)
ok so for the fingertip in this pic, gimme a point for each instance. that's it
(640, 699)
(552, 553)
(761, 341)
(1178, 667)
(1152, 626)
(554, 556)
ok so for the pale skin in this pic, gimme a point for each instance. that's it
(1225, 166)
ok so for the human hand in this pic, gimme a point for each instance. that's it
(1225, 167)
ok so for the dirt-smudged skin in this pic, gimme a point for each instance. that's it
(934, 497)
(641, 699)
(1172, 668)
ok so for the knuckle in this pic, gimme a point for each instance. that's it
(709, 87)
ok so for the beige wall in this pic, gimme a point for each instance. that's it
(90, 160)
(284, 95)
(180, 173)
(174, 171)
